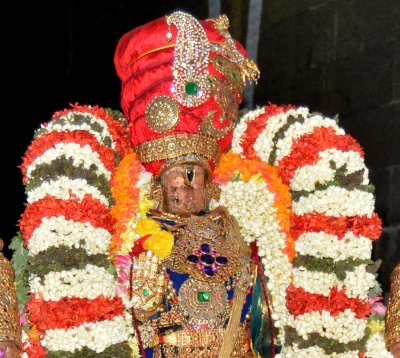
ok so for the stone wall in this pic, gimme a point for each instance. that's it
(343, 57)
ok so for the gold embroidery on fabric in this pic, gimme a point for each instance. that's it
(226, 100)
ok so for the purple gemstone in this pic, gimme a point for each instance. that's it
(2, 352)
(222, 260)
(193, 259)
(208, 270)
(205, 248)
(207, 259)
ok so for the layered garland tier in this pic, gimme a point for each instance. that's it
(66, 281)
(332, 304)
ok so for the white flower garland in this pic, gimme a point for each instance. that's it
(323, 245)
(242, 126)
(57, 230)
(297, 130)
(255, 221)
(344, 327)
(314, 352)
(314, 281)
(63, 187)
(81, 155)
(333, 201)
(376, 347)
(90, 283)
(336, 201)
(307, 176)
(68, 126)
(351, 159)
(358, 282)
(252, 206)
(264, 142)
(96, 336)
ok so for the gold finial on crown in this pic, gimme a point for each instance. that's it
(221, 23)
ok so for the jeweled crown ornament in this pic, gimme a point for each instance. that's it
(182, 83)
(10, 330)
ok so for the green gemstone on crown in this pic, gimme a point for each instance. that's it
(203, 296)
(191, 88)
(145, 292)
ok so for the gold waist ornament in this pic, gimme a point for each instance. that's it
(203, 343)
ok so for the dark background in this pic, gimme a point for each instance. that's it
(337, 57)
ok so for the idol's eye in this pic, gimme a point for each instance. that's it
(189, 175)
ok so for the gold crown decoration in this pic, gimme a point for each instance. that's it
(248, 67)
(10, 330)
(170, 147)
(190, 84)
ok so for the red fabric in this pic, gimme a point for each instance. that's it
(151, 75)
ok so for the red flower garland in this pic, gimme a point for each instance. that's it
(85, 210)
(116, 129)
(49, 140)
(299, 302)
(35, 350)
(71, 312)
(257, 126)
(305, 150)
(370, 227)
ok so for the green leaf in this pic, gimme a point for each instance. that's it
(19, 261)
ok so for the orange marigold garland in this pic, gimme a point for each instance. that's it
(126, 194)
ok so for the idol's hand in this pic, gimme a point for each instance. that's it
(148, 284)
(395, 350)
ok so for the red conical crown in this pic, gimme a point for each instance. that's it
(182, 83)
